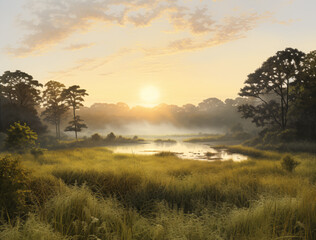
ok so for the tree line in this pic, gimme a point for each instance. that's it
(21, 96)
(285, 89)
(279, 96)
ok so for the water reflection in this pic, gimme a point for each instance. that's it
(182, 149)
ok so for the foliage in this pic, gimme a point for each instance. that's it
(96, 137)
(163, 141)
(37, 152)
(271, 84)
(288, 163)
(74, 96)
(303, 110)
(110, 137)
(13, 187)
(76, 125)
(19, 96)
(20, 137)
(53, 102)
(20, 88)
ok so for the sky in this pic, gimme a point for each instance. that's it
(147, 52)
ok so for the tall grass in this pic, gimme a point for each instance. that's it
(95, 194)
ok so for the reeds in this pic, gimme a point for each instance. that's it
(95, 194)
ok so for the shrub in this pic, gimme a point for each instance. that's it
(110, 137)
(13, 186)
(20, 137)
(37, 152)
(288, 163)
(96, 137)
(47, 141)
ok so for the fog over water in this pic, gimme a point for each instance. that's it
(181, 149)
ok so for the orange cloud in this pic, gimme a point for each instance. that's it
(51, 22)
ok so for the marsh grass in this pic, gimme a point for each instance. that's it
(95, 194)
(252, 152)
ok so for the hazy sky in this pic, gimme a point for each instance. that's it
(151, 51)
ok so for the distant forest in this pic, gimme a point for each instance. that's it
(279, 96)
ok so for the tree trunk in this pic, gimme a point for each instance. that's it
(75, 122)
(56, 126)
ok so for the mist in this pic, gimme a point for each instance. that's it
(209, 116)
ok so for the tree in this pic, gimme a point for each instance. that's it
(20, 88)
(272, 86)
(76, 125)
(20, 137)
(303, 114)
(54, 103)
(19, 96)
(13, 187)
(74, 96)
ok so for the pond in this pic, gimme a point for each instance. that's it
(194, 151)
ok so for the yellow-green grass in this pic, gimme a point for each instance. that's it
(209, 138)
(94, 193)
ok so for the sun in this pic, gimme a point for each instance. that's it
(149, 94)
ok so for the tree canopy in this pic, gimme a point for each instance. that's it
(54, 103)
(285, 89)
(74, 96)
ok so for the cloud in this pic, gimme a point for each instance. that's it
(49, 22)
(231, 28)
(90, 64)
(78, 46)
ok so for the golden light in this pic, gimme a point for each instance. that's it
(149, 94)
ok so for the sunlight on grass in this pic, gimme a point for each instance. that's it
(94, 192)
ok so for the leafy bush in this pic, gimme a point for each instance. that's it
(37, 152)
(13, 186)
(288, 163)
(96, 137)
(110, 137)
(47, 141)
(20, 137)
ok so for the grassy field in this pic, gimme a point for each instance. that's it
(95, 194)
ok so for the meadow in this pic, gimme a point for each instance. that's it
(92, 193)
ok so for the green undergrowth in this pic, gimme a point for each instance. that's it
(95, 194)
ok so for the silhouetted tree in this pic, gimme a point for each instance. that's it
(272, 85)
(19, 96)
(20, 88)
(303, 113)
(74, 96)
(54, 104)
(76, 125)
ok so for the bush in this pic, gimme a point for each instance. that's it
(288, 163)
(96, 137)
(20, 137)
(47, 141)
(13, 187)
(37, 152)
(110, 137)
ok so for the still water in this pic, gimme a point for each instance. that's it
(194, 151)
